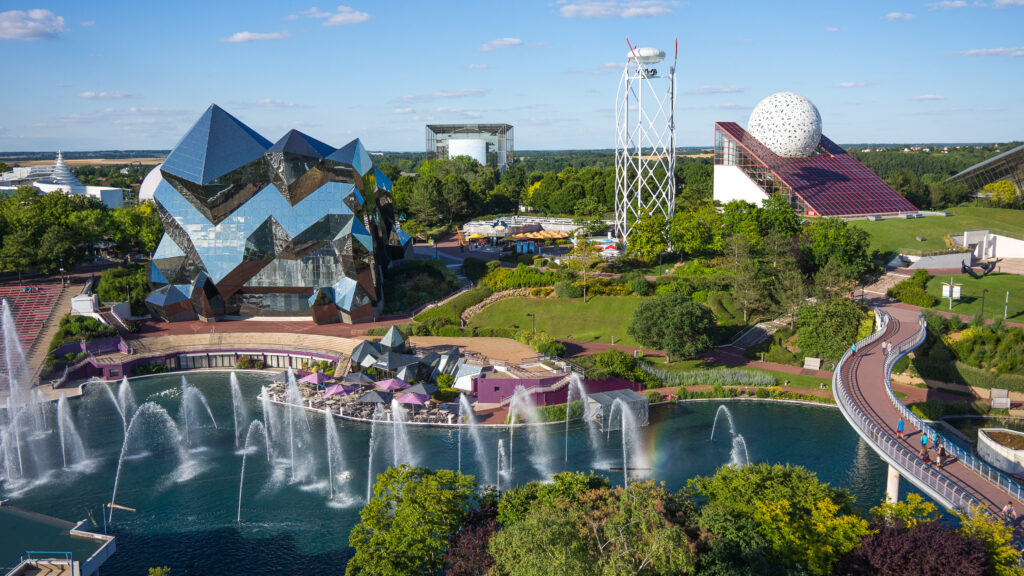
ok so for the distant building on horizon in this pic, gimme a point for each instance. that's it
(783, 152)
(58, 177)
(489, 144)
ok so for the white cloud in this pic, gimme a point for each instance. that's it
(88, 24)
(449, 111)
(1008, 3)
(928, 97)
(500, 43)
(859, 84)
(30, 25)
(476, 66)
(831, 29)
(404, 111)
(445, 94)
(616, 9)
(947, 5)
(342, 15)
(266, 103)
(899, 16)
(1018, 51)
(716, 90)
(253, 36)
(346, 15)
(106, 95)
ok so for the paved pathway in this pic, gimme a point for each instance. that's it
(862, 377)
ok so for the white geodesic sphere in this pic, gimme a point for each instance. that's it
(787, 123)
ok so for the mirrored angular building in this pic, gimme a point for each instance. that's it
(1007, 166)
(254, 228)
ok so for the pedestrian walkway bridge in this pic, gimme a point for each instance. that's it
(865, 397)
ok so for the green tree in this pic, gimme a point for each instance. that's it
(777, 216)
(904, 514)
(425, 201)
(697, 231)
(747, 281)
(136, 228)
(56, 251)
(1003, 555)
(160, 571)
(673, 323)
(636, 530)
(648, 237)
(910, 186)
(1003, 192)
(565, 487)
(827, 328)
(806, 525)
(18, 253)
(581, 258)
(406, 526)
(834, 241)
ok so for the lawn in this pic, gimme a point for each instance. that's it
(970, 300)
(596, 321)
(894, 235)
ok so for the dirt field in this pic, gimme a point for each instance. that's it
(90, 162)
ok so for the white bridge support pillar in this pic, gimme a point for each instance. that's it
(892, 485)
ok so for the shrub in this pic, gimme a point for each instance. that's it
(446, 394)
(914, 291)
(826, 329)
(474, 268)
(568, 289)
(699, 296)
(653, 396)
(124, 283)
(78, 328)
(520, 277)
(449, 332)
(639, 285)
(413, 283)
(525, 259)
(493, 264)
(710, 377)
(151, 368)
(445, 380)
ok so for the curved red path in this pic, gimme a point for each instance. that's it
(864, 380)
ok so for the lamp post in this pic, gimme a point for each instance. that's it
(983, 292)
(533, 318)
(455, 312)
(1006, 306)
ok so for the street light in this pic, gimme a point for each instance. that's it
(983, 292)
(455, 312)
(533, 318)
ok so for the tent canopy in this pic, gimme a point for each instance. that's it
(422, 388)
(358, 378)
(392, 384)
(316, 378)
(375, 397)
(410, 398)
(340, 390)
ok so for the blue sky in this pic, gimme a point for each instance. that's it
(129, 75)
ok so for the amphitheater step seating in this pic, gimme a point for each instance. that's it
(31, 305)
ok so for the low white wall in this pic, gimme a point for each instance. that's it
(1005, 247)
(731, 183)
(951, 260)
(999, 456)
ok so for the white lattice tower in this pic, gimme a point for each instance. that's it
(645, 140)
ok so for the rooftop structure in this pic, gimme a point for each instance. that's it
(792, 158)
(1006, 166)
(293, 228)
(489, 144)
(59, 177)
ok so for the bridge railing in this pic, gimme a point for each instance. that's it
(909, 461)
(979, 466)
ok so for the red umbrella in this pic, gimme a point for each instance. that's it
(391, 384)
(410, 398)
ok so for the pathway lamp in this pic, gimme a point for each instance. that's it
(533, 318)
(983, 292)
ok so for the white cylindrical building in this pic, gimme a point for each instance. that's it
(474, 148)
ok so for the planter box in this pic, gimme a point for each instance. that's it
(1002, 457)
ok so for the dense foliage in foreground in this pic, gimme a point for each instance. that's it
(759, 519)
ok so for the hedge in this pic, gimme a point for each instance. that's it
(914, 291)
(710, 377)
(462, 302)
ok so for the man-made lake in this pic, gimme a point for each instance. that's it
(186, 492)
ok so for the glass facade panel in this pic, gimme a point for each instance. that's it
(269, 230)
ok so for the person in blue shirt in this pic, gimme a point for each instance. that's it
(924, 439)
(853, 349)
(899, 428)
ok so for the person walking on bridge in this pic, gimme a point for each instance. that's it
(924, 439)
(899, 428)
(942, 455)
(1009, 514)
(853, 349)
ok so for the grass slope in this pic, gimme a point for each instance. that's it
(596, 321)
(894, 235)
(970, 300)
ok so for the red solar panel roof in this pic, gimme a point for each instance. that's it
(833, 185)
